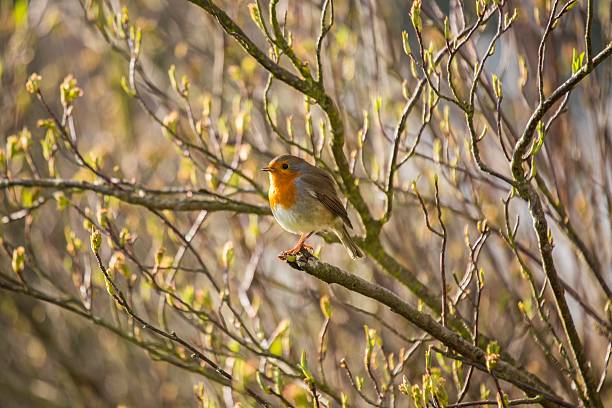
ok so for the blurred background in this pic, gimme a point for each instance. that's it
(65, 342)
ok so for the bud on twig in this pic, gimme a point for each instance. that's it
(326, 307)
(415, 15)
(256, 16)
(227, 258)
(69, 91)
(406, 43)
(95, 240)
(18, 261)
(33, 84)
(492, 355)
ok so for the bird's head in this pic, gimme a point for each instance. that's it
(284, 168)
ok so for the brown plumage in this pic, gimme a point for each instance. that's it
(304, 200)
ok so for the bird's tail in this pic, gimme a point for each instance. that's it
(350, 245)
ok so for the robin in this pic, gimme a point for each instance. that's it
(303, 199)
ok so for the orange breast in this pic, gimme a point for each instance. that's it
(283, 191)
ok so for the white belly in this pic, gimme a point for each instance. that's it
(303, 218)
(288, 221)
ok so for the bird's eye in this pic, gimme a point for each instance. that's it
(285, 166)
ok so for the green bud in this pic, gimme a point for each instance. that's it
(492, 355)
(185, 85)
(126, 87)
(170, 124)
(415, 15)
(377, 104)
(326, 307)
(69, 91)
(497, 86)
(417, 396)
(344, 399)
(446, 29)
(25, 139)
(124, 16)
(124, 237)
(304, 367)
(256, 15)
(18, 261)
(33, 84)
(13, 147)
(159, 256)
(406, 43)
(227, 258)
(172, 77)
(359, 381)
(95, 240)
(577, 61)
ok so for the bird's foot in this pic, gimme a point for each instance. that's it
(294, 251)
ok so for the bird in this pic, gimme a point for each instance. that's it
(303, 200)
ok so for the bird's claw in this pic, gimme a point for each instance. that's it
(294, 251)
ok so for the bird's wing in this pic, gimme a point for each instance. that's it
(322, 187)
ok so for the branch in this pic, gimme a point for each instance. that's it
(231, 28)
(206, 371)
(308, 87)
(527, 137)
(147, 198)
(528, 193)
(473, 355)
(120, 298)
(522, 401)
(399, 130)
(587, 35)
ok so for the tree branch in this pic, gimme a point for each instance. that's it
(474, 355)
(136, 196)
(528, 193)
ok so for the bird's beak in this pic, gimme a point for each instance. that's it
(266, 168)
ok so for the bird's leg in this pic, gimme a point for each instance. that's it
(309, 248)
(297, 247)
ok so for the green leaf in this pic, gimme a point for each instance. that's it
(344, 399)
(481, 276)
(126, 87)
(95, 240)
(492, 355)
(276, 338)
(227, 258)
(276, 347)
(13, 147)
(497, 86)
(304, 367)
(69, 91)
(484, 392)
(259, 380)
(577, 61)
(406, 43)
(256, 15)
(359, 381)
(326, 307)
(446, 29)
(172, 77)
(415, 15)
(417, 396)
